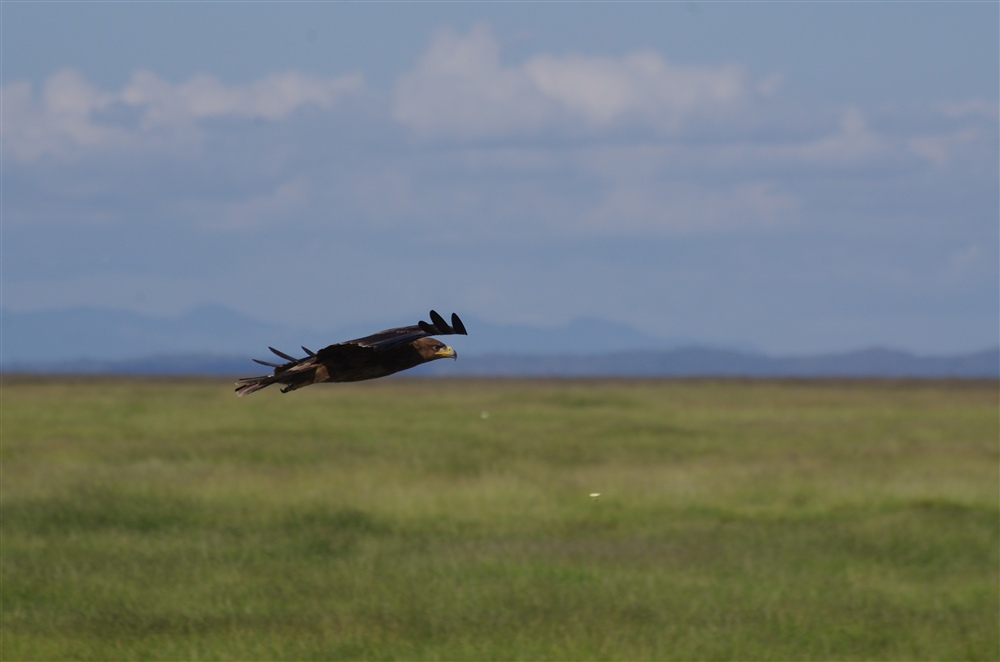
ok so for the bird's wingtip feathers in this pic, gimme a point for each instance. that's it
(287, 357)
(439, 323)
(439, 326)
(457, 325)
(427, 328)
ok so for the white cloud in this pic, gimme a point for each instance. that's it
(59, 122)
(941, 148)
(70, 116)
(272, 98)
(600, 90)
(853, 143)
(639, 190)
(460, 87)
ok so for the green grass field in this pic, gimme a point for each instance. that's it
(452, 519)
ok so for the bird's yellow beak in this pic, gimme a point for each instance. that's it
(446, 353)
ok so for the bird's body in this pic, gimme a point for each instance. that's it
(371, 357)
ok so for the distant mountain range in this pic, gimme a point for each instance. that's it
(96, 334)
(218, 341)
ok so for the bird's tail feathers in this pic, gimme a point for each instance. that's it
(247, 385)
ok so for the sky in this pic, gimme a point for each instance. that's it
(791, 176)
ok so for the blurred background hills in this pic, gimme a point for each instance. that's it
(214, 340)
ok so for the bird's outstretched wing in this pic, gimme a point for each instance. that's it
(391, 337)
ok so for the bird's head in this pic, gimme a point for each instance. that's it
(431, 349)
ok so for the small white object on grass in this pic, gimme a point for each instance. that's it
(484, 414)
(594, 495)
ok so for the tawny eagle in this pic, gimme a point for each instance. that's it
(373, 356)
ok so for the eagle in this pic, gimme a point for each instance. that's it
(377, 355)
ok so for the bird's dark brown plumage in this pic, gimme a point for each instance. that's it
(377, 355)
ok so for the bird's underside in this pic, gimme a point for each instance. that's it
(377, 355)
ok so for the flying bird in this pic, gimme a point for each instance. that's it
(373, 356)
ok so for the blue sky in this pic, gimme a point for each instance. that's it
(797, 177)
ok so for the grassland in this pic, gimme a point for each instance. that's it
(440, 519)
